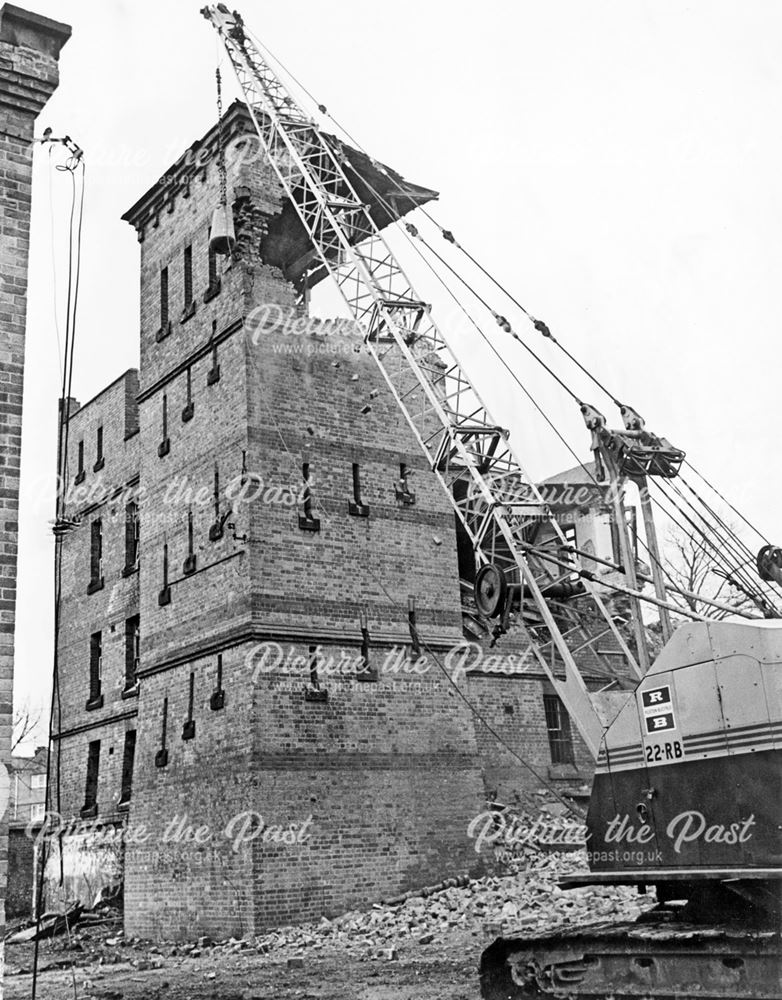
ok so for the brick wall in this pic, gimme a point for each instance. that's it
(101, 492)
(380, 777)
(19, 893)
(29, 49)
(387, 773)
(384, 772)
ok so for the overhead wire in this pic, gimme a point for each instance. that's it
(75, 222)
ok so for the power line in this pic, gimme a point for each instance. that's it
(73, 163)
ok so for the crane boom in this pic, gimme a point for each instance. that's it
(453, 426)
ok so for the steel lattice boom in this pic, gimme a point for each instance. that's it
(451, 423)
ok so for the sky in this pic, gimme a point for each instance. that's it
(615, 164)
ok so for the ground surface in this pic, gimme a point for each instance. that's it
(442, 971)
(422, 947)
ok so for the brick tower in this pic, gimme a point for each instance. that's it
(257, 546)
(274, 526)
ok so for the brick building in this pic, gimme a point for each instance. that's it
(26, 808)
(27, 801)
(252, 517)
(29, 49)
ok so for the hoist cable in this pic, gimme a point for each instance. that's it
(731, 546)
(702, 543)
(396, 216)
(409, 232)
(728, 540)
(698, 546)
(405, 229)
(721, 557)
(751, 556)
(716, 555)
(735, 511)
(221, 168)
(539, 325)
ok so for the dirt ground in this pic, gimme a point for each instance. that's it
(445, 969)
(425, 945)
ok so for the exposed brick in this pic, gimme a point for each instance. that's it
(392, 770)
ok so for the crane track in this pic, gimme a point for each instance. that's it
(636, 961)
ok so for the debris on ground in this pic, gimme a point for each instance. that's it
(49, 925)
(529, 899)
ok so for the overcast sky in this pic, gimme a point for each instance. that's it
(616, 164)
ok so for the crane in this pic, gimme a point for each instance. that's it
(452, 424)
(660, 731)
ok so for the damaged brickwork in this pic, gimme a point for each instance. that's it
(263, 784)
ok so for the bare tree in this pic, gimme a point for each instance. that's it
(692, 566)
(27, 723)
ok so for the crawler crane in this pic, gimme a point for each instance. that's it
(687, 743)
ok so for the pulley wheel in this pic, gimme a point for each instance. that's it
(491, 591)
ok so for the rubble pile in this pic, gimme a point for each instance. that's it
(529, 900)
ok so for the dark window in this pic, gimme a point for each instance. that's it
(128, 756)
(412, 624)
(132, 639)
(213, 375)
(188, 730)
(131, 535)
(306, 520)
(307, 493)
(188, 267)
(99, 449)
(164, 597)
(190, 562)
(189, 408)
(216, 528)
(165, 445)
(402, 485)
(558, 725)
(80, 459)
(356, 506)
(313, 691)
(96, 556)
(91, 784)
(366, 671)
(163, 298)
(96, 665)
(314, 666)
(217, 700)
(212, 264)
(161, 757)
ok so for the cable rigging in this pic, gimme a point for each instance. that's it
(540, 326)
